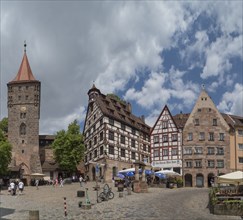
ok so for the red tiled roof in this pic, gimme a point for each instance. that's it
(121, 111)
(24, 73)
(180, 119)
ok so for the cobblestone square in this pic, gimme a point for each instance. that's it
(157, 204)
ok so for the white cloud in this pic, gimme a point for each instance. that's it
(151, 93)
(161, 88)
(61, 122)
(218, 55)
(232, 101)
(70, 45)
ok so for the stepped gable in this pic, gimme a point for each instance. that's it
(120, 111)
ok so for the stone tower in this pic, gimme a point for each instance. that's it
(23, 120)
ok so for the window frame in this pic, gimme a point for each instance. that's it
(111, 150)
(111, 135)
(156, 139)
(123, 152)
(190, 136)
(167, 152)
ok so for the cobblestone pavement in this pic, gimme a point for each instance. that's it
(157, 204)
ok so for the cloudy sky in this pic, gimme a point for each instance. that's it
(150, 53)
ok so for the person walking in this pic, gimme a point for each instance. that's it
(61, 182)
(37, 183)
(12, 187)
(21, 187)
(81, 181)
(56, 182)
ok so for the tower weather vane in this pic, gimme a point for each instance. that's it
(25, 45)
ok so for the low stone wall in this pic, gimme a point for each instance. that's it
(228, 209)
(217, 207)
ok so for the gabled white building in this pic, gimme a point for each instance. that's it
(166, 141)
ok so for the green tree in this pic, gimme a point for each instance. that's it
(4, 125)
(68, 147)
(5, 153)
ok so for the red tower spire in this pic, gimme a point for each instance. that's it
(24, 73)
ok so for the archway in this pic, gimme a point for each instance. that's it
(210, 179)
(199, 180)
(188, 180)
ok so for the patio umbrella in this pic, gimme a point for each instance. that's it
(121, 176)
(149, 172)
(160, 175)
(169, 172)
(37, 174)
(130, 174)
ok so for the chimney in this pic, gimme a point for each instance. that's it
(129, 107)
(181, 115)
(142, 118)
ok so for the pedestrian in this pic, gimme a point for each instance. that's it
(21, 187)
(81, 181)
(61, 182)
(9, 189)
(37, 183)
(56, 182)
(12, 187)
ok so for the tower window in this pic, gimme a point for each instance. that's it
(19, 97)
(19, 88)
(22, 115)
(22, 141)
(26, 97)
(22, 151)
(22, 129)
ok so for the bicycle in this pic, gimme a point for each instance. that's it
(106, 194)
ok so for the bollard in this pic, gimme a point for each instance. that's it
(34, 215)
(120, 194)
(65, 207)
(129, 191)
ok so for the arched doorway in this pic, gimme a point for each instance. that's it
(199, 180)
(93, 173)
(210, 179)
(188, 180)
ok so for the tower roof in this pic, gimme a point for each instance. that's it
(94, 89)
(24, 73)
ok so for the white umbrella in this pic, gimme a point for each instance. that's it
(169, 172)
(37, 174)
(231, 178)
(127, 170)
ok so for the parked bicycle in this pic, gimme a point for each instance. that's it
(106, 194)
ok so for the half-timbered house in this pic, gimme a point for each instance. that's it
(114, 138)
(166, 142)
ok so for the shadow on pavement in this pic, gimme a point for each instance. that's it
(5, 211)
